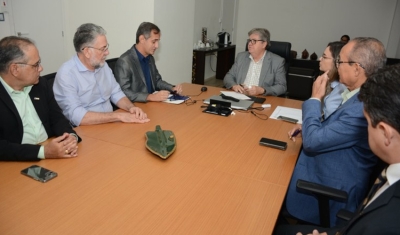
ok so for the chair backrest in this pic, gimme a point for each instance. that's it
(282, 49)
(390, 61)
(111, 63)
(50, 78)
(299, 83)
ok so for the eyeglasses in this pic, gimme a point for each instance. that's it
(103, 49)
(325, 58)
(34, 66)
(338, 62)
(254, 41)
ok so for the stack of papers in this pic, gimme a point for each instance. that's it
(288, 112)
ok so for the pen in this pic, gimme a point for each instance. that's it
(295, 133)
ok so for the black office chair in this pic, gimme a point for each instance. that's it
(111, 63)
(324, 194)
(282, 49)
(50, 78)
(299, 83)
(391, 61)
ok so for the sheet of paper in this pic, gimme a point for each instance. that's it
(287, 112)
(236, 95)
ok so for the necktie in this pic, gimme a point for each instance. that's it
(379, 182)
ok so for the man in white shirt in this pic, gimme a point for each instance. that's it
(257, 71)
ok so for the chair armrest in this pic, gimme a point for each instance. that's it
(322, 190)
(345, 214)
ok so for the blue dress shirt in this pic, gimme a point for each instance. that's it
(79, 90)
(144, 63)
(333, 99)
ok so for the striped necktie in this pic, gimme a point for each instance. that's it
(379, 182)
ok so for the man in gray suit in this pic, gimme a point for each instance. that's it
(257, 71)
(136, 70)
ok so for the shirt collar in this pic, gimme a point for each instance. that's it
(334, 84)
(346, 95)
(10, 90)
(393, 173)
(140, 56)
(81, 67)
(261, 60)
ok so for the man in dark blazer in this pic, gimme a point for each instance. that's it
(29, 113)
(378, 215)
(257, 71)
(335, 151)
(136, 70)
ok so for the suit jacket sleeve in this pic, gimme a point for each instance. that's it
(274, 80)
(343, 129)
(11, 128)
(127, 73)
(160, 84)
(272, 76)
(233, 76)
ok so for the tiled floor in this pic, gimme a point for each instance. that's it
(214, 82)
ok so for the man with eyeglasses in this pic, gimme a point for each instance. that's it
(29, 113)
(257, 71)
(335, 151)
(136, 70)
(85, 86)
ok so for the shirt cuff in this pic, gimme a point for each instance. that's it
(313, 98)
(41, 153)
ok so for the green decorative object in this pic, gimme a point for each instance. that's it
(161, 143)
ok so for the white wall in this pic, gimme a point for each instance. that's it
(307, 24)
(5, 27)
(311, 24)
(393, 47)
(119, 19)
(174, 56)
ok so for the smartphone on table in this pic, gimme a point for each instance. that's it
(39, 173)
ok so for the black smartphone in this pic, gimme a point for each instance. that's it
(39, 173)
(288, 119)
(273, 143)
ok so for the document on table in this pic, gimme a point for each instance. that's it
(287, 112)
(171, 99)
(236, 95)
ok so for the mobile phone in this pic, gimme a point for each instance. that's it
(273, 143)
(39, 173)
(288, 119)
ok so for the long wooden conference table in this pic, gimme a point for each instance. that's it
(218, 181)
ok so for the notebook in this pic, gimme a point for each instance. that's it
(242, 104)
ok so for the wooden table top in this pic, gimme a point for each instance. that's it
(218, 181)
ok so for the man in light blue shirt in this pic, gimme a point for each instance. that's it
(85, 85)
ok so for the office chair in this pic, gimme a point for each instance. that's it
(391, 61)
(50, 78)
(282, 49)
(299, 82)
(111, 63)
(324, 194)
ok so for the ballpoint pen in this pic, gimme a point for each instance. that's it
(295, 133)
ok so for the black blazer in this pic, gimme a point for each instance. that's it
(11, 129)
(380, 217)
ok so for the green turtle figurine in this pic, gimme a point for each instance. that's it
(161, 143)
